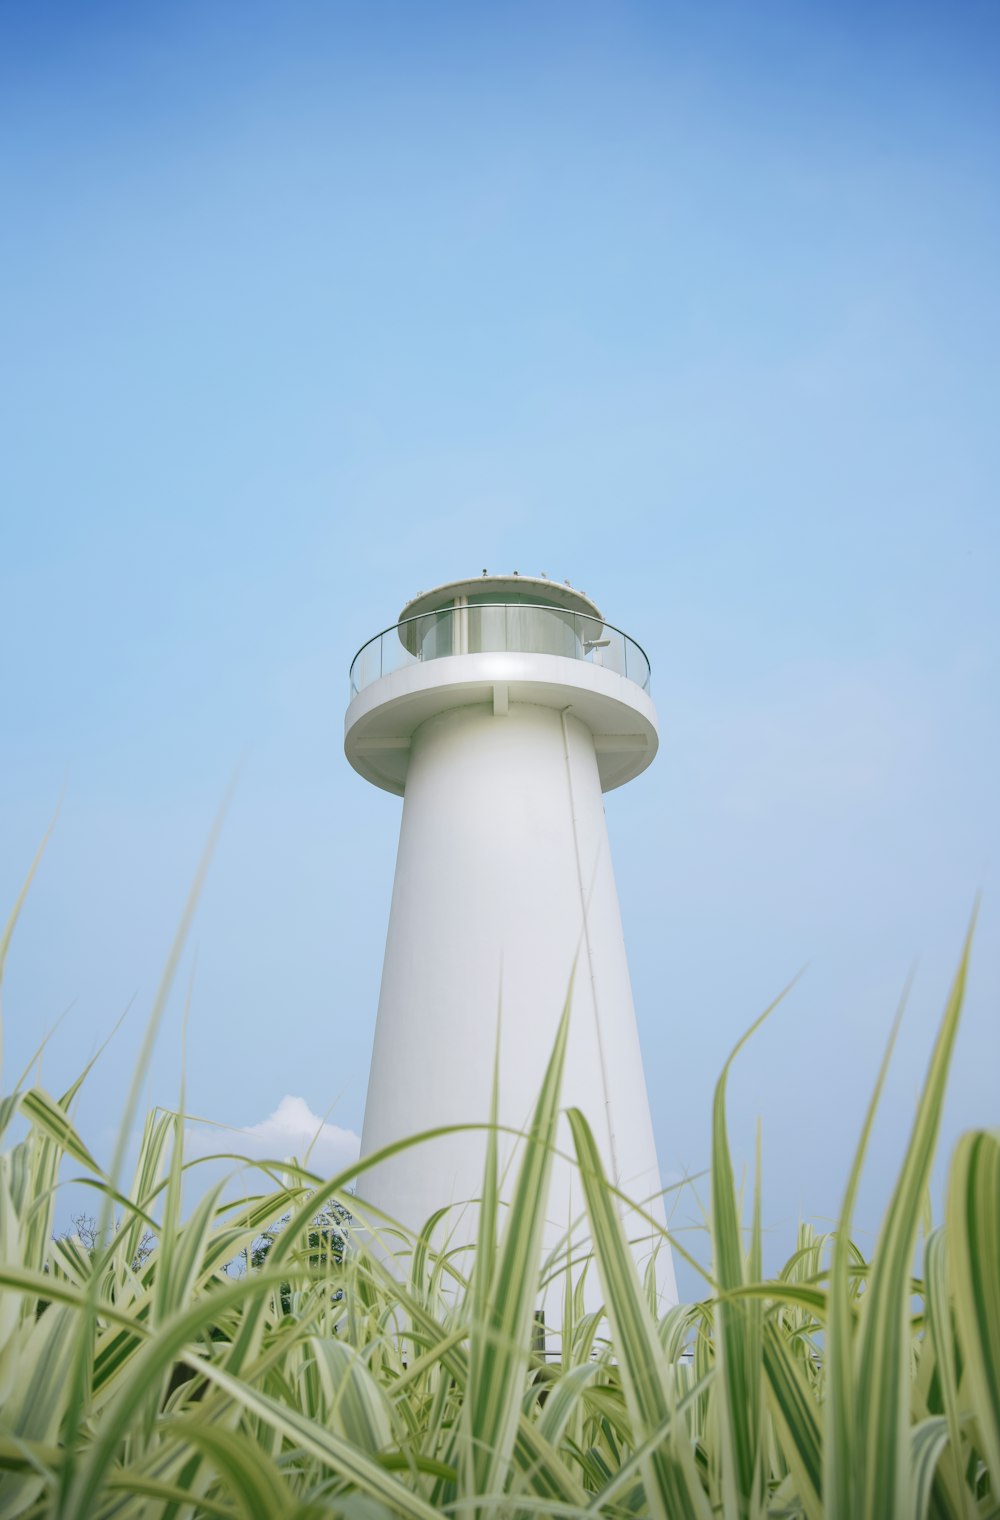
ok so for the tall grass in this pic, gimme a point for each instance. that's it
(166, 1383)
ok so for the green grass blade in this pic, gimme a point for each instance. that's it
(973, 1225)
(335, 1453)
(737, 1395)
(532, 1455)
(87, 1463)
(562, 1401)
(173, 1281)
(8, 929)
(53, 1120)
(171, 1498)
(883, 1365)
(353, 1402)
(500, 1339)
(939, 1318)
(840, 1461)
(249, 1475)
(619, 1484)
(673, 1490)
(484, 1261)
(926, 1442)
(795, 1416)
(33, 1414)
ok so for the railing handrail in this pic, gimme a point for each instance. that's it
(476, 606)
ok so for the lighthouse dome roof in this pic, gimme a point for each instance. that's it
(535, 589)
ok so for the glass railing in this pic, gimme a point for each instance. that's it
(498, 626)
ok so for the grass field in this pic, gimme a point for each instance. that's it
(185, 1363)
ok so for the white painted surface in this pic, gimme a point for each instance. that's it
(503, 886)
(383, 719)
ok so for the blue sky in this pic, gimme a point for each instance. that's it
(309, 307)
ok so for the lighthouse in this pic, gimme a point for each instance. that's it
(501, 709)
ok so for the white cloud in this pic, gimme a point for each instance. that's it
(288, 1132)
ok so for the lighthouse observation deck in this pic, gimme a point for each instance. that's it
(502, 642)
(495, 627)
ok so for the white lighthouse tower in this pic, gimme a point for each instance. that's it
(501, 709)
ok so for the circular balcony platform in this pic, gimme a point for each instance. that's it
(388, 709)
